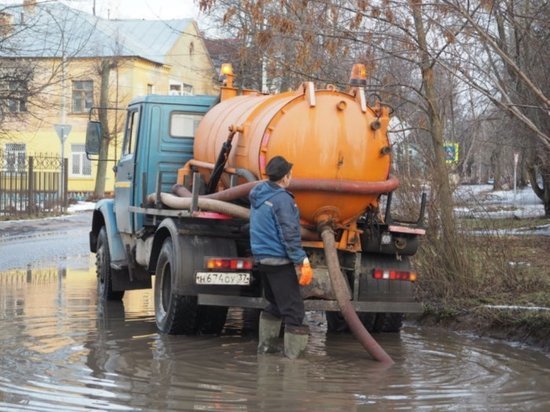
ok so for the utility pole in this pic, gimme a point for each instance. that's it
(62, 129)
(516, 158)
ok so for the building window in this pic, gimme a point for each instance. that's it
(187, 90)
(180, 89)
(150, 88)
(83, 95)
(17, 101)
(17, 96)
(80, 164)
(175, 89)
(15, 155)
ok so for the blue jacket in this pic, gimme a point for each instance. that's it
(275, 224)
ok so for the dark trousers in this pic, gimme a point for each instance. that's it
(283, 293)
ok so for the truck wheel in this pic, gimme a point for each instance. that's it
(251, 321)
(174, 314)
(368, 320)
(103, 269)
(388, 322)
(212, 319)
(337, 324)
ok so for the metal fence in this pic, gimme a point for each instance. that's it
(31, 185)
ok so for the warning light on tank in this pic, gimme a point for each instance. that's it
(226, 77)
(226, 69)
(358, 75)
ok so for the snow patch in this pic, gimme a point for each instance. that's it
(81, 207)
(515, 307)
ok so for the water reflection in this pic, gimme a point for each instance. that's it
(62, 350)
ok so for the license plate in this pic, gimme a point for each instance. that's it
(223, 278)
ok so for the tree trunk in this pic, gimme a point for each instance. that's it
(543, 192)
(105, 70)
(496, 165)
(440, 184)
(523, 177)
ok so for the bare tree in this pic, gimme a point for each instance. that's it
(104, 68)
(508, 66)
(401, 47)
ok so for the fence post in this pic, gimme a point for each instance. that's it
(65, 182)
(30, 186)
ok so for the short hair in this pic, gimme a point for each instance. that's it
(277, 168)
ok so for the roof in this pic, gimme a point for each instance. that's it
(54, 29)
(196, 100)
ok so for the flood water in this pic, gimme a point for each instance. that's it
(60, 351)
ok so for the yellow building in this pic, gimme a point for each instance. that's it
(58, 54)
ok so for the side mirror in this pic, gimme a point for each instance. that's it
(93, 138)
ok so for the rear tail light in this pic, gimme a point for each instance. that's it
(389, 274)
(228, 263)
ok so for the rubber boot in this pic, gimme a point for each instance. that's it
(268, 333)
(296, 338)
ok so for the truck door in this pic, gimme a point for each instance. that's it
(124, 178)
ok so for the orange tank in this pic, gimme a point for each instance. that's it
(330, 136)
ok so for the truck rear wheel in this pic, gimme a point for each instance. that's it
(388, 322)
(174, 314)
(373, 322)
(337, 324)
(103, 269)
(211, 319)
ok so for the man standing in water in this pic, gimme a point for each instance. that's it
(277, 248)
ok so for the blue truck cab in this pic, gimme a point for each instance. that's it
(158, 139)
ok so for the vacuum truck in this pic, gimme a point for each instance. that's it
(180, 208)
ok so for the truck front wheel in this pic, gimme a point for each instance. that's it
(174, 314)
(103, 269)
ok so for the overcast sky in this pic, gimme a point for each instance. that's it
(132, 9)
(140, 9)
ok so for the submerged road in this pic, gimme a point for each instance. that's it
(62, 350)
(44, 242)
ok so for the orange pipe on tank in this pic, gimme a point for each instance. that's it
(326, 185)
(186, 169)
(345, 186)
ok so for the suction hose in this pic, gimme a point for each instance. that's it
(213, 205)
(219, 206)
(343, 298)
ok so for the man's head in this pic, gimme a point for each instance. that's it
(277, 168)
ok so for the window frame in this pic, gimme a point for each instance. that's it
(131, 131)
(86, 96)
(19, 165)
(17, 96)
(83, 161)
(195, 125)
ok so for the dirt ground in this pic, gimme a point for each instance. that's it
(517, 308)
